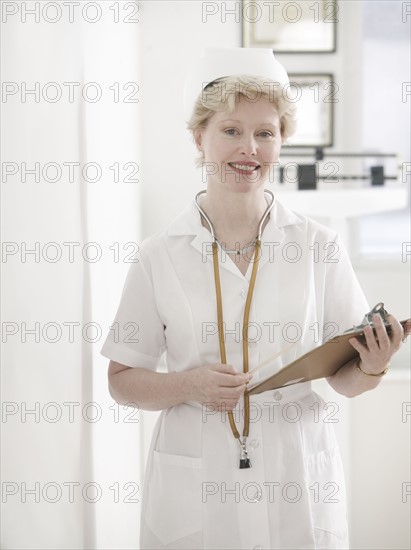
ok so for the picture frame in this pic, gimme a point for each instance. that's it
(290, 27)
(315, 96)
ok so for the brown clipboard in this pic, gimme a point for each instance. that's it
(321, 362)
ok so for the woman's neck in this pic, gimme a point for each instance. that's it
(235, 216)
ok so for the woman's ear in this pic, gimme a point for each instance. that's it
(197, 139)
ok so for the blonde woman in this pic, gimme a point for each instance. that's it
(226, 285)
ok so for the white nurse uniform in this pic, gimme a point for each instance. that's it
(195, 495)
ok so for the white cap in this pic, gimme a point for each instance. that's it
(220, 62)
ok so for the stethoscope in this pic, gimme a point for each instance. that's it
(244, 459)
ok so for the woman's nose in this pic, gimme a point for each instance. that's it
(248, 145)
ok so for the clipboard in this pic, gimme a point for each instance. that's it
(321, 362)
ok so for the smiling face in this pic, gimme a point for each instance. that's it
(241, 148)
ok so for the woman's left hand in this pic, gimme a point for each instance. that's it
(376, 353)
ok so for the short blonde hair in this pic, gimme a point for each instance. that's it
(223, 94)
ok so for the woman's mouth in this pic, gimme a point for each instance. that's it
(243, 168)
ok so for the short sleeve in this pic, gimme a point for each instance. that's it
(136, 337)
(345, 303)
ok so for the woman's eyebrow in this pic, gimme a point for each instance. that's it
(230, 120)
(266, 123)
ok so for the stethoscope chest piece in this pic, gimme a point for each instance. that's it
(245, 462)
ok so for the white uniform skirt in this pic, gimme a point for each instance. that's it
(293, 496)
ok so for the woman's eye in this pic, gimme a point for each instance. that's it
(266, 134)
(230, 131)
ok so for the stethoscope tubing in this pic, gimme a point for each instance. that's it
(260, 226)
(244, 460)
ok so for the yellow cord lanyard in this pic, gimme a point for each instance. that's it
(244, 459)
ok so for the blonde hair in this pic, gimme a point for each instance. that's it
(223, 94)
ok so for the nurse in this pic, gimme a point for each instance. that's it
(229, 283)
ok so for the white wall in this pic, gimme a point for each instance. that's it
(380, 472)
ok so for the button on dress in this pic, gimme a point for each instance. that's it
(195, 495)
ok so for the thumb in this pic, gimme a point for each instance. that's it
(228, 369)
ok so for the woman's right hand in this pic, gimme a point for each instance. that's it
(219, 385)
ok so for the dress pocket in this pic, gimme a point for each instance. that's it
(327, 499)
(173, 498)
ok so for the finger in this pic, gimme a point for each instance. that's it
(359, 346)
(382, 338)
(232, 393)
(233, 380)
(228, 401)
(370, 340)
(227, 406)
(397, 332)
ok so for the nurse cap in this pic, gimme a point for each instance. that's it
(221, 62)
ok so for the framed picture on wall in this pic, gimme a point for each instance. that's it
(290, 27)
(314, 96)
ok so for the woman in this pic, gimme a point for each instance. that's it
(283, 486)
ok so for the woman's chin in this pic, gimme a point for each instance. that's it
(245, 185)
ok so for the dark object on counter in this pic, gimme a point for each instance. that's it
(377, 175)
(307, 176)
(319, 153)
(281, 174)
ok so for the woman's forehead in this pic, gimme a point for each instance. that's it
(261, 110)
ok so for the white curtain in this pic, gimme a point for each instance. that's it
(71, 458)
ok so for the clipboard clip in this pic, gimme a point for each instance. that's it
(367, 321)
